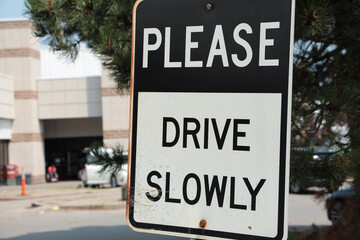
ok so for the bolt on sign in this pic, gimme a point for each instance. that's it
(210, 118)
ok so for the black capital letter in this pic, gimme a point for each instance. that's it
(232, 196)
(209, 192)
(220, 140)
(198, 189)
(177, 128)
(206, 133)
(154, 185)
(167, 189)
(254, 192)
(191, 132)
(239, 134)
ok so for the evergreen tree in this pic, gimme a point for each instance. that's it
(326, 89)
(326, 94)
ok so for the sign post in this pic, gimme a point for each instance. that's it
(210, 118)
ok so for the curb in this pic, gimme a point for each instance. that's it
(94, 207)
(21, 198)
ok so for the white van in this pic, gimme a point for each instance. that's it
(93, 176)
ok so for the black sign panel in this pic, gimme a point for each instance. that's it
(227, 46)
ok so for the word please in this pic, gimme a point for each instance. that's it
(217, 48)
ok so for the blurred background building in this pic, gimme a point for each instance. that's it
(51, 109)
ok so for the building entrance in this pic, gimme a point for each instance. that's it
(4, 159)
(67, 155)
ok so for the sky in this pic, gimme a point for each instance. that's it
(11, 9)
(53, 65)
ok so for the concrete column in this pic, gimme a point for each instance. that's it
(115, 113)
(20, 58)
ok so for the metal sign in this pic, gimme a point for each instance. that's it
(210, 118)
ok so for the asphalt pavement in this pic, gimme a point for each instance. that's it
(60, 197)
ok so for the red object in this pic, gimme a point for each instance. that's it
(51, 169)
(12, 171)
(52, 175)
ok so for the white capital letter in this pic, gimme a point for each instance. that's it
(189, 45)
(150, 47)
(244, 44)
(167, 63)
(267, 42)
(218, 37)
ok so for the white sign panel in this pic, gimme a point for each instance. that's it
(197, 165)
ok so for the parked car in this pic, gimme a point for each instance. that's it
(92, 175)
(336, 201)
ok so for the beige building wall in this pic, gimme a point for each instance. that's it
(32, 109)
(69, 98)
(20, 58)
(19, 54)
(115, 113)
(6, 97)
